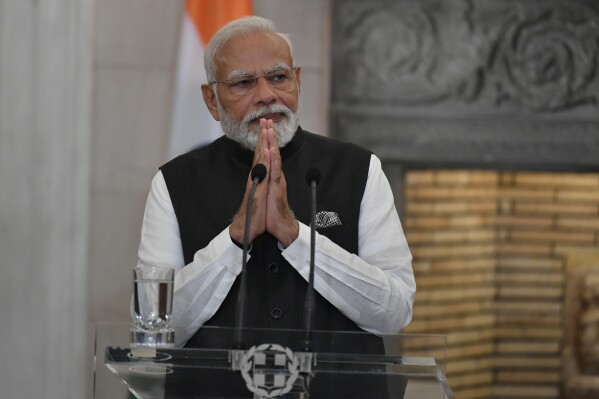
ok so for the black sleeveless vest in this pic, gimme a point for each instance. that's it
(206, 187)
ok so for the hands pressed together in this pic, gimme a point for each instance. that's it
(270, 209)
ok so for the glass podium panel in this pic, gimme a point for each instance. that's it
(271, 363)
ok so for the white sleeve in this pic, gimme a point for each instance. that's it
(200, 287)
(375, 289)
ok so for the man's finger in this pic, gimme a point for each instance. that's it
(261, 152)
(275, 155)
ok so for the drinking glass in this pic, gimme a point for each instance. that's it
(152, 306)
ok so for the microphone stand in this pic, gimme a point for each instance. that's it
(258, 173)
(313, 177)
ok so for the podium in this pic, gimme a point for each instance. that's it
(273, 364)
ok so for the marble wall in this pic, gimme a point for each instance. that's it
(45, 92)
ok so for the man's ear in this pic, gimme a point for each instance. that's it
(210, 100)
(298, 79)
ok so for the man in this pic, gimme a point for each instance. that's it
(195, 214)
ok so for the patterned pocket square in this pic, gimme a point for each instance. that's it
(327, 219)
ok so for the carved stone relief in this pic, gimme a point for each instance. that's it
(536, 56)
(545, 58)
(490, 83)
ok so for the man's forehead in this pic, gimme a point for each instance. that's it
(255, 53)
(264, 71)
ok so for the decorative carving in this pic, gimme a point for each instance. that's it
(468, 55)
(495, 83)
(581, 340)
(397, 53)
(588, 320)
(546, 57)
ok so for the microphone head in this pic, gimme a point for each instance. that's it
(259, 172)
(313, 175)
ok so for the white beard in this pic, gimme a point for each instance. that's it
(247, 135)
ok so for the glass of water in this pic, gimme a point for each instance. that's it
(153, 306)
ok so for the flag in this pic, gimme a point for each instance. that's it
(191, 124)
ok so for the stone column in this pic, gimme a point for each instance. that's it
(45, 80)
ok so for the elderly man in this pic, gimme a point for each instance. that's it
(195, 213)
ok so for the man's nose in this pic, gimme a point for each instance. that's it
(264, 93)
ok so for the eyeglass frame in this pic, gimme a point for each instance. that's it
(254, 79)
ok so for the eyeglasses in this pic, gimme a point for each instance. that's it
(278, 79)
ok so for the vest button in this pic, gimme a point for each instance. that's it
(276, 313)
(273, 268)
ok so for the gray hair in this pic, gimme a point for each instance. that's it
(241, 26)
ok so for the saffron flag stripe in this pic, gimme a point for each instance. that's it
(209, 16)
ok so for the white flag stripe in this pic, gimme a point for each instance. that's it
(192, 125)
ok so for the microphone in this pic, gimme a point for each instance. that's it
(257, 174)
(313, 178)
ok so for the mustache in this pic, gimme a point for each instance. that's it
(267, 110)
